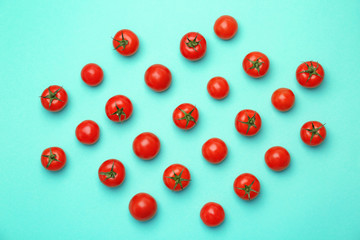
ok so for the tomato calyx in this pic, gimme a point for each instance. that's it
(122, 42)
(110, 174)
(250, 122)
(247, 189)
(314, 131)
(52, 96)
(51, 157)
(255, 64)
(193, 43)
(178, 179)
(187, 117)
(119, 112)
(311, 70)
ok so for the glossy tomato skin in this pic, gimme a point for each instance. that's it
(87, 132)
(112, 173)
(212, 214)
(277, 158)
(256, 64)
(313, 133)
(247, 186)
(158, 77)
(126, 42)
(176, 177)
(248, 122)
(283, 99)
(185, 116)
(92, 74)
(53, 158)
(54, 98)
(214, 150)
(146, 145)
(118, 108)
(218, 88)
(310, 74)
(193, 46)
(225, 27)
(143, 207)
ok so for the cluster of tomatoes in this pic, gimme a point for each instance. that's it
(147, 145)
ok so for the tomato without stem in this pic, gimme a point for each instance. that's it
(92, 74)
(256, 64)
(158, 77)
(310, 74)
(212, 214)
(146, 145)
(111, 173)
(143, 207)
(225, 27)
(214, 150)
(53, 158)
(248, 122)
(218, 88)
(126, 42)
(118, 108)
(54, 98)
(193, 46)
(277, 158)
(87, 132)
(247, 186)
(185, 116)
(176, 177)
(283, 99)
(313, 133)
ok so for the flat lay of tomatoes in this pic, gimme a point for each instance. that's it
(214, 150)
(158, 77)
(92, 74)
(146, 145)
(256, 64)
(248, 122)
(53, 158)
(87, 132)
(54, 98)
(283, 99)
(225, 27)
(143, 207)
(185, 116)
(126, 42)
(111, 173)
(212, 214)
(247, 186)
(118, 108)
(277, 158)
(313, 133)
(218, 88)
(193, 46)
(176, 177)
(310, 74)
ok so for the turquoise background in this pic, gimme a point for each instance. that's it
(48, 42)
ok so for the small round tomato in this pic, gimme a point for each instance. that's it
(256, 64)
(225, 27)
(214, 150)
(283, 99)
(92, 74)
(53, 158)
(126, 42)
(193, 46)
(248, 122)
(87, 132)
(158, 77)
(142, 207)
(313, 133)
(277, 158)
(111, 173)
(118, 108)
(54, 98)
(212, 214)
(218, 87)
(310, 74)
(247, 186)
(185, 116)
(176, 177)
(146, 145)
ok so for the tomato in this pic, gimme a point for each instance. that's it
(53, 158)
(214, 150)
(310, 74)
(277, 158)
(283, 99)
(92, 74)
(54, 98)
(176, 177)
(142, 207)
(218, 87)
(225, 27)
(247, 186)
(158, 77)
(126, 42)
(146, 145)
(185, 116)
(248, 122)
(256, 64)
(212, 214)
(112, 173)
(87, 132)
(118, 108)
(313, 133)
(193, 46)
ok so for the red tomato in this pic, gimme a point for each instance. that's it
(54, 98)
(313, 133)
(142, 207)
(176, 177)
(218, 87)
(247, 186)
(185, 116)
(92, 74)
(112, 173)
(126, 42)
(158, 77)
(310, 74)
(212, 214)
(53, 158)
(248, 122)
(87, 132)
(146, 145)
(225, 27)
(277, 158)
(193, 46)
(283, 99)
(256, 64)
(118, 108)
(214, 150)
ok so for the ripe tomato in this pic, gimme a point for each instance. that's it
(54, 98)
(277, 158)
(310, 74)
(142, 207)
(176, 177)
(126, 42)
(248, 122)
(214, 150)
(283, 99)
(87, 132)
(225, 27)
(256, 64)
(92, 74)
(146, 145)
(53, 158)
(158, 77)
(313, 133)
(218, 87)
(247, 186)
(118, 108)
(185, 116)
(193, 46)
(111, 173)
(212, 214)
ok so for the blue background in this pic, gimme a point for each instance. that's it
(48, 42)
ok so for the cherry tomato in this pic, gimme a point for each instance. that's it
(212, 214)
(54, 98)
(126, 42)
(193, 46)
(256, 64)
(158, 77)
(313, 133)
(87, 132)
(248, 122)
(53, 158)
(118, 108)
(247, 186)
(283, 99)
(146, 145)
(277, 158)
(176, 177)
(225, 27)
(112, 173)
(185, 116)
(142, 207)
(214, 150)
(92, 74)
(310, 74)
(218, 87)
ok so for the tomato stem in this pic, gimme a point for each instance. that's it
(314, 131)
(193, 43)
(178, 180)
(51, 158)
(311, 70)
(255, 64)
(250, 122)
(187, 117)
(247, 189)
(122, 42)
(110, 174)
(52, 96)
